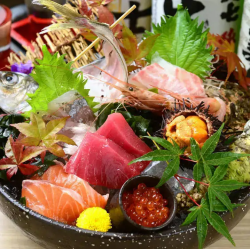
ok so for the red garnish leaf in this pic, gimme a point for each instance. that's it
(225, 50)
(7, 163)
(84, 8)
(11, 171)
(39, 134)
(145, 46)
(95, 3)
(31, 152)
(130, 49)
(105, 16)
(18, 154)
(117, 31)
(88, 35)
(27, 169)
(42, 155)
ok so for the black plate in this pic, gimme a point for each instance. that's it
(55, 235)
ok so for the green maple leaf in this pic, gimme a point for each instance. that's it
(206, 159)
(171, 154)
(183, 43)
(55, 77)
(216, 199)
(203, 215)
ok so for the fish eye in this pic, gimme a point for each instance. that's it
(10, 79)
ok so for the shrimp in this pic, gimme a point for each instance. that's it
(142, 98)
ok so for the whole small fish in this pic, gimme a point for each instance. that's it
(13, 91)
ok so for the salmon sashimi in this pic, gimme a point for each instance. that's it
(61, 204)
(57, 176)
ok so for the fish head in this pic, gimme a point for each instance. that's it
(13, 91)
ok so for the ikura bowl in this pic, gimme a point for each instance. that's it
(55, 235)
(119, 215)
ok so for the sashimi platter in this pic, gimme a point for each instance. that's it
(144, 145)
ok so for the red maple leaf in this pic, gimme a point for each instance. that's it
(16, 156)
(96, 3)
(84, 8)
(226, 51)
(133, 52)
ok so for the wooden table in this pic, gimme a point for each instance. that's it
(11, 236)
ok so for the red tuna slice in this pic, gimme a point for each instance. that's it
(101, 161)
(117, 129)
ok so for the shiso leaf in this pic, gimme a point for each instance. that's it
(183, 43)
(55, 77)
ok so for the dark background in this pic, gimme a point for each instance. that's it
(11, 3)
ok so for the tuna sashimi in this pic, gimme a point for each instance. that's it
(61, 204)
(118, 130)
(57, 176)
(100, 161)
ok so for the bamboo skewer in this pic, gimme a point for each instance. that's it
(98, 39)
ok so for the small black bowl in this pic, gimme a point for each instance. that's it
(118, 214)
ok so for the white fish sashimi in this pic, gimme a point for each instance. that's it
(96, 78)
(75, 131)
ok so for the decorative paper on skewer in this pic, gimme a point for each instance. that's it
(244, 43)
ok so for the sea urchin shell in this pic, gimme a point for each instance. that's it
(205, 125)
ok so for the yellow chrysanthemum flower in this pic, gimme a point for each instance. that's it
(95, 218)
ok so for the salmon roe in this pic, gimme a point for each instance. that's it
(146, 206)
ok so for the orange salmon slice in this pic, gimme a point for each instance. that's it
(57, 176)
(55, 202)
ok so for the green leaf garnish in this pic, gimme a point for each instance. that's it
(203, 215)
(183, 43)
(214, 166)
(218, 224)
(23, 200)
(170, 171)
(157, 155)
(211, 143)
(191, 216)
(222, 158)
(201, 229)
(55, 77)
